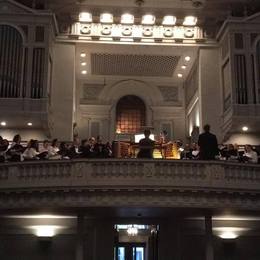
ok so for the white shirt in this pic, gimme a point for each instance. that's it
(30, 153)
(252, 155)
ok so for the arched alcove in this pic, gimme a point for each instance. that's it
(130, 114)
(149, 94)
(11, 58)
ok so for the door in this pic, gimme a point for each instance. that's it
(130, 251)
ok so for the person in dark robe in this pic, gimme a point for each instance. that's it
(208, 144)
(146, 146)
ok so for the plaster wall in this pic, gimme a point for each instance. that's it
(210, 90)
(101, 108)
(242, 138)
(62, 97)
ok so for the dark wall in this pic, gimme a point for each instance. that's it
(239, 249)
(29, 247)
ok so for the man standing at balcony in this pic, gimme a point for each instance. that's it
(208, 144)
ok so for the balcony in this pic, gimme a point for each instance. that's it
(129, 182)
(237, 116)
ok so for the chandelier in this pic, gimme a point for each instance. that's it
(132, 230)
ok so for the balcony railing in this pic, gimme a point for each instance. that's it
(129, 182)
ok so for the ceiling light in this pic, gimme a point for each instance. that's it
(245, 128)
(229, 232)
(132, 230)
(184, 67)
(190, 21)
(148, 19)
(83, 72)
(85, 17)
(3, 123)
(180, 75)
(228, 235)
(45, 230)
(127, 19)
(83, 63)
(83, 54)
(106, 18)
(29, 124)
(187, 58)
(169, 20)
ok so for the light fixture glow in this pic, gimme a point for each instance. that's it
(148, 19)
(127, 19)
(29, 124)
(83, 54)
(3, 123)
(85, 17)
(106, 18)
(83, 72)
(187, 58)
(228, 235)
(132, 230)
(180, 75)
(190, 21)
(229, 232)
(41, 216)
(83, 63)
(45, 230)
(184, 67)
(169, 20)
(245, 128)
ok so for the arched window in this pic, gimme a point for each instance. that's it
(11, 54)
(130, 114)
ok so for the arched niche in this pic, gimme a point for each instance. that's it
(149, 94)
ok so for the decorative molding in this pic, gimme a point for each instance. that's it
(169, 93)
(91, 91)
(137, 33)
(146, 183)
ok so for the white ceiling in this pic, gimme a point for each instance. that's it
(134, 60)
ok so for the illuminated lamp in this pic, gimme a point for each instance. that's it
(148, 19)
(169, 20)
(106, 18)
(190, 21)
(85, 17)
(127, 19)
(187, 58)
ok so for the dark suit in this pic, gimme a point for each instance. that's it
(208, 146)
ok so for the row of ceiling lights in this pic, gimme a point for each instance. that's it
(3, 123)
(83, 63)
(148, 19)
(187, 59)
